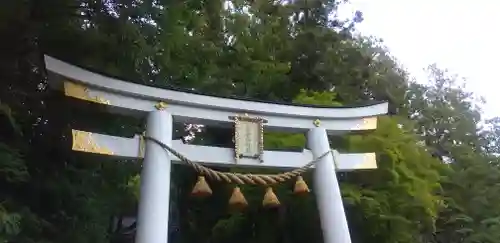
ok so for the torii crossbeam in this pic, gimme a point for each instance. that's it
(133, 99)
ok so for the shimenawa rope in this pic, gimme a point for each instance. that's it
(239, 178)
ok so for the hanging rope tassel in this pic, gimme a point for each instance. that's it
(270, 199)
(300, 187)
(201, 188)
(237, 199)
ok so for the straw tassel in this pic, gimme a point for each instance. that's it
(201, 188)
(300, 187)
(270, 199)
(237, 199)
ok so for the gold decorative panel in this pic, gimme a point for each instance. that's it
(81, 92)
(369, 162)
(84, 142)
(369, 123)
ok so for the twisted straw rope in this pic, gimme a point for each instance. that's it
(239, 178)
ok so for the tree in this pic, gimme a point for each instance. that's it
(438, 174)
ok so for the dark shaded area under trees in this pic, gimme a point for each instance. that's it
(438, 176)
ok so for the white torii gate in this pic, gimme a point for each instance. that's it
(133, 99)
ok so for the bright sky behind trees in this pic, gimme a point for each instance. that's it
(460, 36)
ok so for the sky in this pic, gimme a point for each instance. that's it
(461, 36)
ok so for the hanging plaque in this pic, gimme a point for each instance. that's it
(248, 137)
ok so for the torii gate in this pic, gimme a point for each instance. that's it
(129, 98)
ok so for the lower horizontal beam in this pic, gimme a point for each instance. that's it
(133, 148)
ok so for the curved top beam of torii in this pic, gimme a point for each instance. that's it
(136, 99)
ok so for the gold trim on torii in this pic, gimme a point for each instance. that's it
(81, 92)
(84, 142)
(369, 123)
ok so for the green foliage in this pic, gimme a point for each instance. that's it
(9, 224)
(12, 167)
(405, 169)
(438, 174)
(326, 98)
